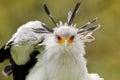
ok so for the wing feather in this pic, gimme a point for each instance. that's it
(23, 42)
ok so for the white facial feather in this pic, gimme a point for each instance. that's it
(65, 31)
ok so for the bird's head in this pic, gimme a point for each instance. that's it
(67, 34)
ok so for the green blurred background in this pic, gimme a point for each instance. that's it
(103, 55)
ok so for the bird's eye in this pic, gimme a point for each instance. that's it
(58, 37)
(72, 37)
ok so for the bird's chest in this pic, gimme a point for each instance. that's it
(64, 67)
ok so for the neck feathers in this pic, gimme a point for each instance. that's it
(61, 61)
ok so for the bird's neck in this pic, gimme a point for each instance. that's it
(62, 61)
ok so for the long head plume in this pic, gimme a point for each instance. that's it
(88, 23)
(74, 13)
(71, 16)
(49, 29)
(46, 29)
(89, 30)
(48, 13)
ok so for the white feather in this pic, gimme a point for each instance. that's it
(24, 41)
(59, 62)
(25, 33)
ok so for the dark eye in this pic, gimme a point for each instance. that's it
(58, 37)
(72, 37)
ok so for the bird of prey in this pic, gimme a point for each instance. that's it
(62, 54)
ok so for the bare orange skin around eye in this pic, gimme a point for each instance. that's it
(70, 41)
(62, 40)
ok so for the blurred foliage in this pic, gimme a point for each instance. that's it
(103, 55)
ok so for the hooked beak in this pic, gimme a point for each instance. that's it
(65, 43)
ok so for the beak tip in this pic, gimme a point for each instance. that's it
(66, 43)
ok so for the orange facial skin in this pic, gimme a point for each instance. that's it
(64, 40)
